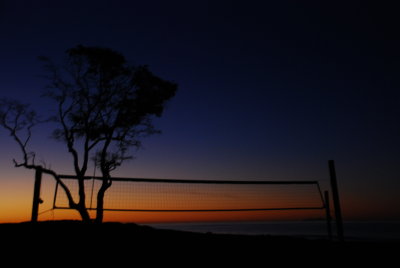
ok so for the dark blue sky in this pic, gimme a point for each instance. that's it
(266, 89)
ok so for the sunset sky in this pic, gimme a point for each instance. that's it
(267, 90)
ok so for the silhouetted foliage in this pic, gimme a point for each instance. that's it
(19, 119)
(104, 107)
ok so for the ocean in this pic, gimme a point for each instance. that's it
(353, 230)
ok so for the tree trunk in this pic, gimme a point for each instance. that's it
(84, 214)
(100, 200)
(81, 206)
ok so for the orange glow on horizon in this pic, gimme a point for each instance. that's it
(19, 209)
(171, 217)
(16, 206)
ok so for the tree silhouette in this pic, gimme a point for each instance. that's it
(104, 107)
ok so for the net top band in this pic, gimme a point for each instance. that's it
(195, 181)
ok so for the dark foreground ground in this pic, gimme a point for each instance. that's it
(70, 241)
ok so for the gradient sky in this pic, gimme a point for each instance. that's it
(266, 90)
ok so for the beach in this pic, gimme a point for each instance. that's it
(117, 242)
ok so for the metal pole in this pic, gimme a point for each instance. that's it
(55, 195)
(336, 201)
(36, 195)
(328, 215)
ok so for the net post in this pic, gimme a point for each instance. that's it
(328, 215)
(336, 201)
(55, 195)
(36, 195)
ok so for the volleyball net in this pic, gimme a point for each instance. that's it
(169, 195)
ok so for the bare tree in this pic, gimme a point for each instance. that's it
(104, 107)
(19, 119)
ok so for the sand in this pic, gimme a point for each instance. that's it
(118, 243)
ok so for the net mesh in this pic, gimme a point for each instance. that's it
(164, 195)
